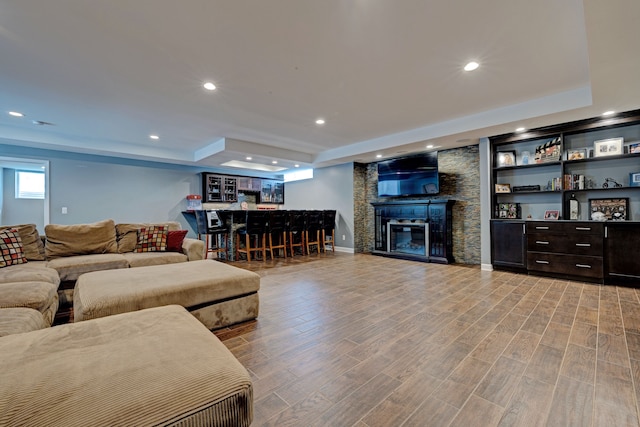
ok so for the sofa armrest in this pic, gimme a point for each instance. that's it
(193, 249)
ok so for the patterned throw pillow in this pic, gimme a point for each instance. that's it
(11, 250)
(152, 239)
(174, 240)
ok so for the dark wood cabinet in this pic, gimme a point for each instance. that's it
(219, 188)
(508, 245)
(622, 246)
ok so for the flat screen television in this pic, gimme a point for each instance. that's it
(409, 176)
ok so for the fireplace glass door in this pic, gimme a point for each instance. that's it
(408, 237)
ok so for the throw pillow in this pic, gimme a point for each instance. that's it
(11, 251)
(152, 239)
(32, 244)
(175, 239)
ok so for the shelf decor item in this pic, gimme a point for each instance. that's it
(506, 158)
(574, 208)
(549, 151)
(503, 188)
(634, 179)
(551, 215)
(577, 154)
(634, 148)
(607, 147)
(508, 211)
(608, 209)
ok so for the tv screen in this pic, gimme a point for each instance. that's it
(409, 176)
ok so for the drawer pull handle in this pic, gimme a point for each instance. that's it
(583, 228)
(541, 228)
(584, 245)
(583, 266)
(541, 242)
(541, 262)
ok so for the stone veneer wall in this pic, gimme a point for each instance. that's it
(459, 180)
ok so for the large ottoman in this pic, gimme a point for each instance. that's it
(158, 366)
(217, 294)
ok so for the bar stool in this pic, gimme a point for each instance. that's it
(295, 231)
(213, 225)
(329, 229)
(253, 234)
(312, 229)
(277, 227)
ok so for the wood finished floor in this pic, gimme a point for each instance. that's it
(360, 340)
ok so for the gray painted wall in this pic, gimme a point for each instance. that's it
(330, 188)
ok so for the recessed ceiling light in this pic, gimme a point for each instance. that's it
(209, 86)
(15, 114)
(296, 166)
(378, 156)
(430, 146)
(471, 66)
(320, 122)
(249, 158)
(154, 137)
(275, 162)
(609, 113)
(520, 129)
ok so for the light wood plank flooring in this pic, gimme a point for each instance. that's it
(360, 340)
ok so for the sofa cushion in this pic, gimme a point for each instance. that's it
(127, 234)
(152, 239)
(141, 259)
(33, 271)
(69, 268)
(80, 239)
(11, 251)
(31, 241)
(175, 239)
(20, 320)
(36, 295)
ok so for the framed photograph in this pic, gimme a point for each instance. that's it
(634, 148)
(506, 158)
(551, 214)
(577, 154)
(608, 209)
(607, 147)
(503, 188)
(634, 179)
(509, 211)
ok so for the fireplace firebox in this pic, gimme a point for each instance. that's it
(414, 229)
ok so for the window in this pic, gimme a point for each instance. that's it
(29, 185)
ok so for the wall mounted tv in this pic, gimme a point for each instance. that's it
(409, 176)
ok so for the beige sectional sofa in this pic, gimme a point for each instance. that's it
(55, 261)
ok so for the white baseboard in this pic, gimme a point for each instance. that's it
(486, 267)
(344, 249)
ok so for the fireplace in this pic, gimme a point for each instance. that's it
(418, 230)
(408, 237)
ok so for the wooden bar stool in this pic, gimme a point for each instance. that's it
(329, 229)
(253, 234)
(213, 225)
(295, 231)
(277, 230)
(312, 230)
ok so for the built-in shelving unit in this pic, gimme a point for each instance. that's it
(225, 188)
(580, 173)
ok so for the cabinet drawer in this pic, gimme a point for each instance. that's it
(574, 244)
(568, 227)
(572, 265)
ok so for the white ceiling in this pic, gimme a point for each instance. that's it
(385, 75)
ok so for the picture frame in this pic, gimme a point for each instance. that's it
(503, 188)
(577, 154)
(508, 211)
(634, 179)
(609, 209)
(607, 147)
(634, 148)
(552, 214)
(506, 158)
